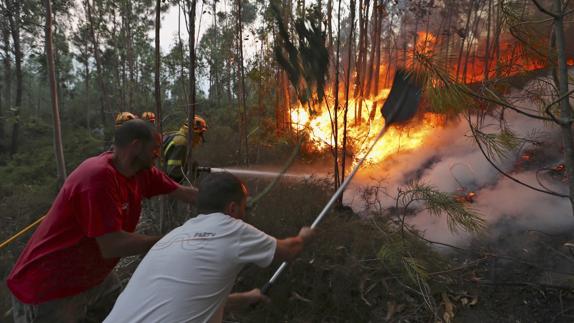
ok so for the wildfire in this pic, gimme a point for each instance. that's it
(364, 120)
(361, 133)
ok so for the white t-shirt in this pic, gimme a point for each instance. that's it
(188, 274)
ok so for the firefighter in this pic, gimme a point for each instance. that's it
(175, 147)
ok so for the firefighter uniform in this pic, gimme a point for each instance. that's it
(175, 151)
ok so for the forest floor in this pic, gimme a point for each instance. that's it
(522, 276)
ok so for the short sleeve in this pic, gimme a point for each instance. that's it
(155, 182)
(256, 246)
(99, 212)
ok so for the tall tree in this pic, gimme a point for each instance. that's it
(7, 62)
(558, 14)
(192, 94)
(58, 145)
(13, 12)
(243, 146)
(99, 69)
(347, 87)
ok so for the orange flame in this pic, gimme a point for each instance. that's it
(361, 133)
(361, 130)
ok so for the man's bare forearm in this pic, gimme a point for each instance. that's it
(123, 244)
(186, 194)
(237, 301)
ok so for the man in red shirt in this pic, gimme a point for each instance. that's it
(65, 267)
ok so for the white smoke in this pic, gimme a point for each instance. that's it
(452, 162)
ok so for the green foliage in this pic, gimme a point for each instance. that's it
(458, 215)
(498, 145)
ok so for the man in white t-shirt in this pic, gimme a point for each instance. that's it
(187, 276)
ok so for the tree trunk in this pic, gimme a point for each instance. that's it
(191, 107)
(565, 109)
(375, 89)
(241, 87)
(157, 80)
(14, 20)
(58, 145)
(347, 86)
(487, 43)
(335, 122)
(99, 73)
(329, 25)
(7, 75)
(361, 60)
(463, 40)
(374, 33)
(87, 85)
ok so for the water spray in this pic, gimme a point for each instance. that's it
(254, 173)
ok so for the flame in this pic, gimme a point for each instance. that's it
(361, 130)
(361, 133)
(425, 43)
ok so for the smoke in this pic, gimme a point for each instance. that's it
(451, 162)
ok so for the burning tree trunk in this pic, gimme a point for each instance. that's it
(347, 86)
(58, 146)
(361, 59)
(335, 121)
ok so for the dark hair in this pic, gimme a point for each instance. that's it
(217, 190)
(132, 130)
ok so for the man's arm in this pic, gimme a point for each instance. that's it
(123, 244)
(288, 249)
(240, 300)
(185, 193)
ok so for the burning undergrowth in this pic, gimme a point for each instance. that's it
(450, 161)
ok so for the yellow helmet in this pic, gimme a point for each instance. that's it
(122, 117)
(149, 116)
(199, 128)
(199, 125)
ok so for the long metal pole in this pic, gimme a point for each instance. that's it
(328, 205)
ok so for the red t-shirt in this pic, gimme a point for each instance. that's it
(63, 258)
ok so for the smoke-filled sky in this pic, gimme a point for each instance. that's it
(450, 160)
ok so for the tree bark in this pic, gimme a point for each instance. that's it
(14, 21)
(463, 40)
(347, 87)
(487, 43)
(58, 145)
(7, 75)
(99, 73)
(157, 79)
(565, 109)
(191, 107)
(335, 122)
(241, 87)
